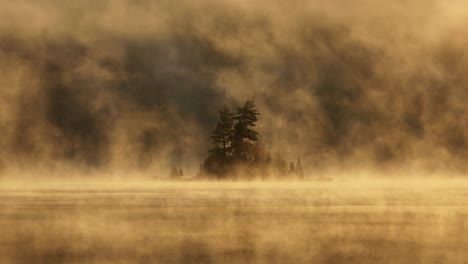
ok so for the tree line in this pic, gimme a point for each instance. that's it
(238, 152)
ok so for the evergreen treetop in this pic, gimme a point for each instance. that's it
(223, 133)
(246, 117)
(238, 149)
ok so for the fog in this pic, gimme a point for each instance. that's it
(134, 86)
(98, 97)
(275, 222)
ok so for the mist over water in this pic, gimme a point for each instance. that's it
(100, 100)
(288, 222)
(136, 85)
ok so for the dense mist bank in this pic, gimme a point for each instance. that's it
(235, 223)
(135, 85)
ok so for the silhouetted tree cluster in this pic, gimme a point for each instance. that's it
(283, 169)
(237, 149)
(176, 172)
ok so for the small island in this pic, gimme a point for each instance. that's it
(238, 151)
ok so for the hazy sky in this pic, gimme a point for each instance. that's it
(137, 84)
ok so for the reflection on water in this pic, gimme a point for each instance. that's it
(234, 224)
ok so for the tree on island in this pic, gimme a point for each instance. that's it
(244, 135)
(237, 149)
(176, 172)
(223, 134)
(299, 169)
(220, 155)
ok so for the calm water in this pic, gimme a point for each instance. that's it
(229, 223)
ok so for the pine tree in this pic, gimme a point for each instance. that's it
(281, 166)
(243, 129)
(292, 168)
(218, 161)
(174, 172)
(223, 134)
(299, 169)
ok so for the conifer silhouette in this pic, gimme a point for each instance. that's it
(245, 118)
(223, 133)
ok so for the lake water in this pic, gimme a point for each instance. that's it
(189, 222)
